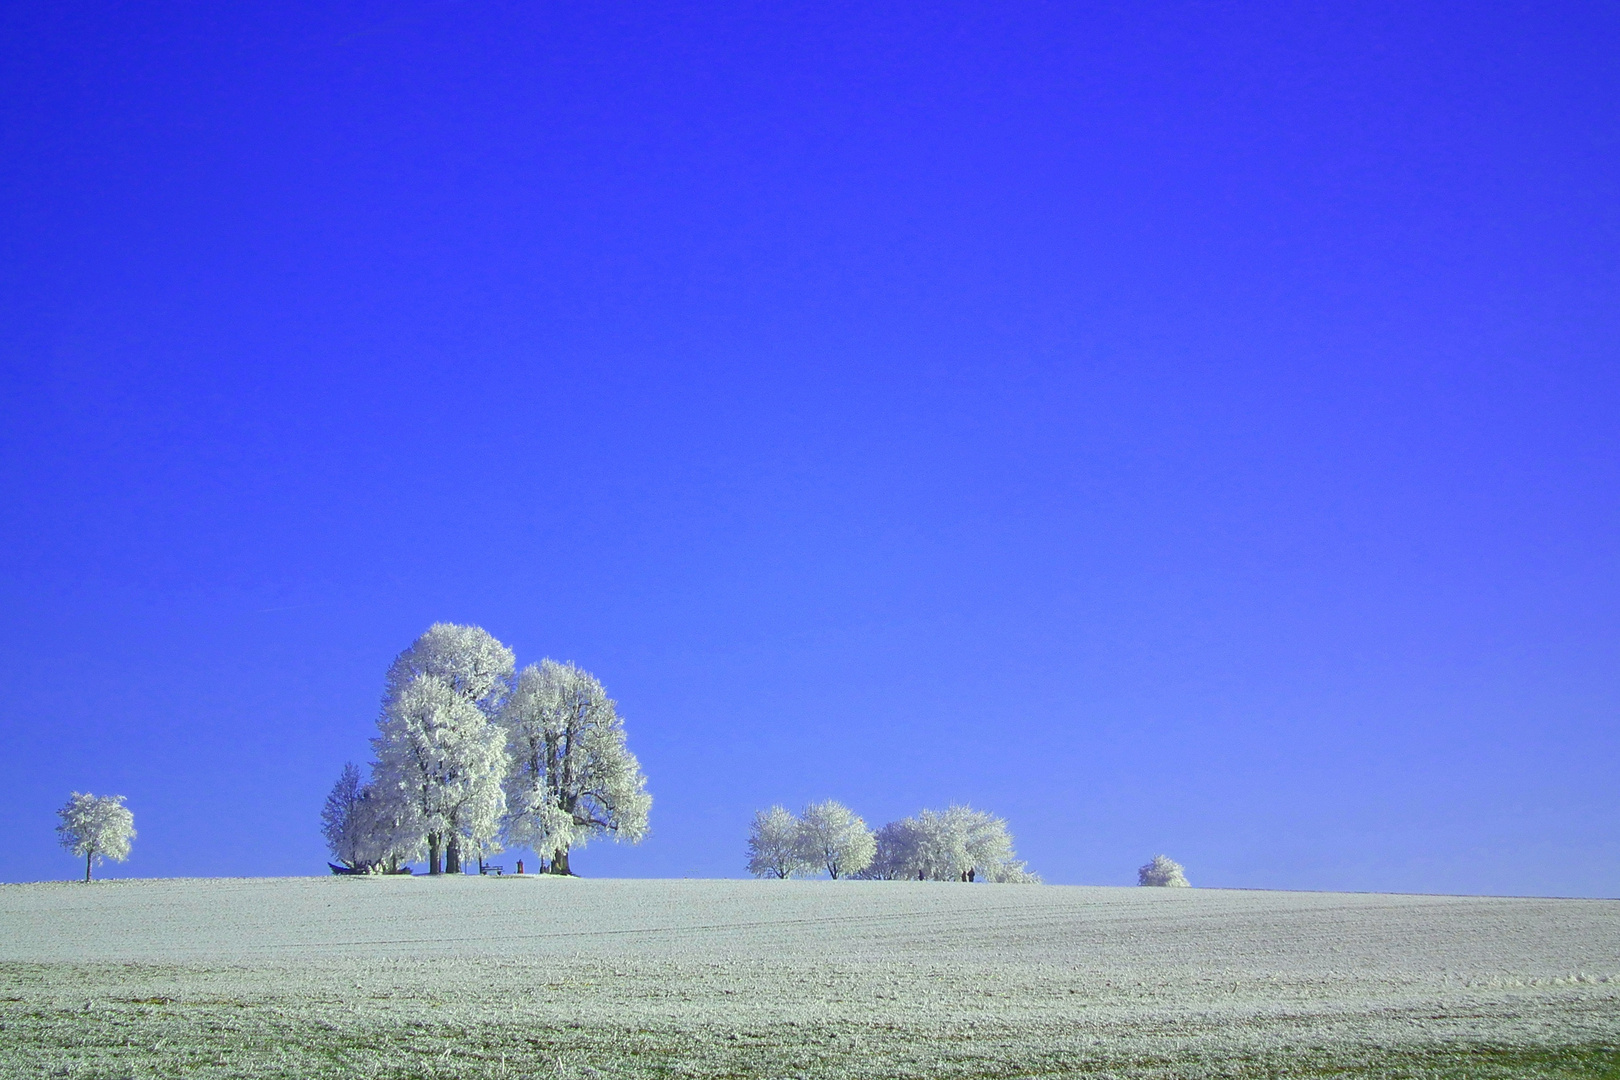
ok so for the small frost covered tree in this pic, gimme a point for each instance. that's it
(773, 844)
(98, 828)
(1163, 871)
(440, 758)
(362, 830)
(343, 819)
(832, 837)
(572, 778)
(439, 768)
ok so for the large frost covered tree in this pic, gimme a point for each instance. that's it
(1163, 871)
(440, 759)
(573, 778)
(833, 837)
(97, 828)
(774, 846)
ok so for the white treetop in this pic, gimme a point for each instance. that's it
(573, 777)
(833, 837)
(468, 658)
(774, 845)
(1163, 871)
(97, 828)
(439, 768)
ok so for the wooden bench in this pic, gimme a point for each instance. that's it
(493, 868)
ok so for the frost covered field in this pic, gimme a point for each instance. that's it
(524, 977)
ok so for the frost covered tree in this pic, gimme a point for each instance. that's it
(892, 858)
(831, 836)
(343, 819)
(439, 768)
(98, 828)
(958, 844)
(1163, 871)
(362, 829)
(572, 778)
(773, 844)
(440, 758)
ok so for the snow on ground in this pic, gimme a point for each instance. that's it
(470, 976)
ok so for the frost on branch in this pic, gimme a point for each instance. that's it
(97, 828)
(1163, 871)
(773, 845)
(831, 836)
(573, 778)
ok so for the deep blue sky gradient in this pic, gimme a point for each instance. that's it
(1185, 428)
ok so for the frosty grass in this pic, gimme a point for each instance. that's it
(549, 977)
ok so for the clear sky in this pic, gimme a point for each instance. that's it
(1174, 427)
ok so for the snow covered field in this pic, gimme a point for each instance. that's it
(474, 977)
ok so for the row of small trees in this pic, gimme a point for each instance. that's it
(958, 844)
(470, 757)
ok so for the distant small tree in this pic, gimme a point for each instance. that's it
(1163, 871)
(773, 845)
(97, 828)
(833, 837)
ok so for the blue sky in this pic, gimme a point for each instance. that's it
(1188, 429)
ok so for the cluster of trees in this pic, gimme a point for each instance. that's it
(96, 828)
(958, 844)
(471, 757)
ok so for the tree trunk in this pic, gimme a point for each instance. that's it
(433, 853)
(559, 862)
(87, 857)
(452, 855)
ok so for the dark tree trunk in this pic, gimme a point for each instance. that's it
(559, 862)
(433, 853)
(452, 855)
(87, 857)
